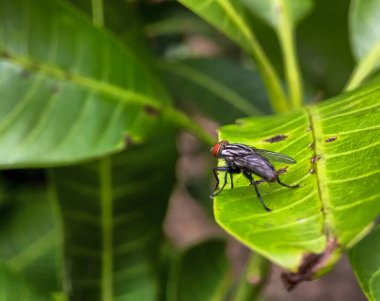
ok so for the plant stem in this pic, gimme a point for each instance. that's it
(365, 67)
(286, 36)
(97, 13)
(253, 278)
(271, 80)
(182, 120)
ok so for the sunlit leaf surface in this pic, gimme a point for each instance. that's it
(336, 145)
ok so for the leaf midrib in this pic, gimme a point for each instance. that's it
(319, 166)
(53, 71)
(106, 225)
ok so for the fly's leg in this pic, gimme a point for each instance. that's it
(215, 170)
(283, 170)
(227, 170)
(250, 178)
(260, 181)
(286, 185)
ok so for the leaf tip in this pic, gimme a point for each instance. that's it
(312, 266)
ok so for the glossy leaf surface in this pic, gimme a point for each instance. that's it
(270, 10)
(336, 145)
(364, 25)
(69, 90)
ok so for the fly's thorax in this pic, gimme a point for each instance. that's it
(235, 150)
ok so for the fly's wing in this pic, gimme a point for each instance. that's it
(275, 156)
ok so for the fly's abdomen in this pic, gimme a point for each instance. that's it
(258, 165)
(265, 171)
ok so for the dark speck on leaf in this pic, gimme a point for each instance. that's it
(68, 75)
(152, 111)
(25, 73)
(128, 140)
(5, 54)
(276, 138)
(331, 139)
(310, 145)
(54, 90)
(312, 171)
(315, 158)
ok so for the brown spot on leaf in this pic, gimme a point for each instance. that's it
(68, 75)
(312, 171)
(331, 139)
(311, 264)
(310, 145)
(4, 54)
(128, 140)
(54, 89)
(276, 138)
(152, 111)
(25, 73)
(315, 158)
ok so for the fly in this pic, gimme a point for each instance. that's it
(241, 158)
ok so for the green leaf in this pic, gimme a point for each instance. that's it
(364, 26)
(325, 60)
(339, 192)
(365, 261)
(230, 18)
(69, 91)
(269, 11)
(113, 211)
(13, 287)
(30, 239)
(282, 16)
(200, 273)
(217, 86)
(365, 38)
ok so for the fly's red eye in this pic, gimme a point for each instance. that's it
(215, 149)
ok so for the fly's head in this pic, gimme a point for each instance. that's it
(218, 147)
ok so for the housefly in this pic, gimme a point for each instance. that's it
(241, 158)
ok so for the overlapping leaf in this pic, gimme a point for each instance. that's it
(113, 211)
(217, 86)
(200, 273)
(339, 193)
(364, 25)
(365, 261)
(68, 90)
(365, 39)
(30, 239)
(270, 10)
(13, 287)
